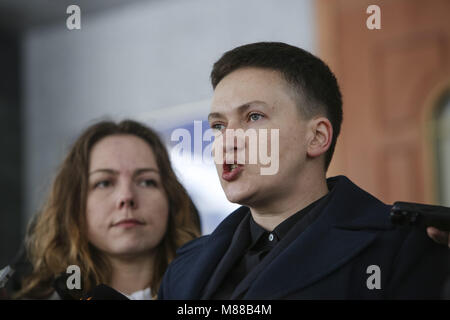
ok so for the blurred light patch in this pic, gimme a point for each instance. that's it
(197, 174)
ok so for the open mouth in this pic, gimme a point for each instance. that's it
(231, 171)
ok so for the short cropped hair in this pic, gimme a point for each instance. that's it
(312, 80)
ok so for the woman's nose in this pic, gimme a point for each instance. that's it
(229, 143)
(234, 138)
(126, 198)
(127, 203)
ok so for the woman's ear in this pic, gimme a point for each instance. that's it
(321, 133)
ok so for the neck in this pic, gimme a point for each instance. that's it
(131, 274)
(301, 194)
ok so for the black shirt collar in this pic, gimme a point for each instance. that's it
(256, 231)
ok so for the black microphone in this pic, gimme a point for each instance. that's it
(103, 292)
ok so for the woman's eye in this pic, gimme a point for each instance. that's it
(217, 126)
(255, 116)
(102, 184)
(148, 183)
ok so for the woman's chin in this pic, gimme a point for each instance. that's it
(235, 195)
(129, 249)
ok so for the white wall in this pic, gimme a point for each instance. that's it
(127, 61)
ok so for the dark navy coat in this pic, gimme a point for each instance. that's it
(331, 259)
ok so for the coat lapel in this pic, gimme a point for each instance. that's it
(348, 224)
(309, 259)
(210, 255)
(235, 251)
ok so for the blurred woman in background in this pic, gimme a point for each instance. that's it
(116, 210)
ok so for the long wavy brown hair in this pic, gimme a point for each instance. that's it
(57, 237)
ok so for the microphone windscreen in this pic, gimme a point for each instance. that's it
(103, 292)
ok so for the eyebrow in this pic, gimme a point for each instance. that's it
(114, 172)
(241, 109)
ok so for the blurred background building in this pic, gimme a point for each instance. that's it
(150, 60)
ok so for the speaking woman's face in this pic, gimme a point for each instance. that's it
(127, 207)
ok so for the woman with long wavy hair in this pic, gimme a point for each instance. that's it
(116, 210)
